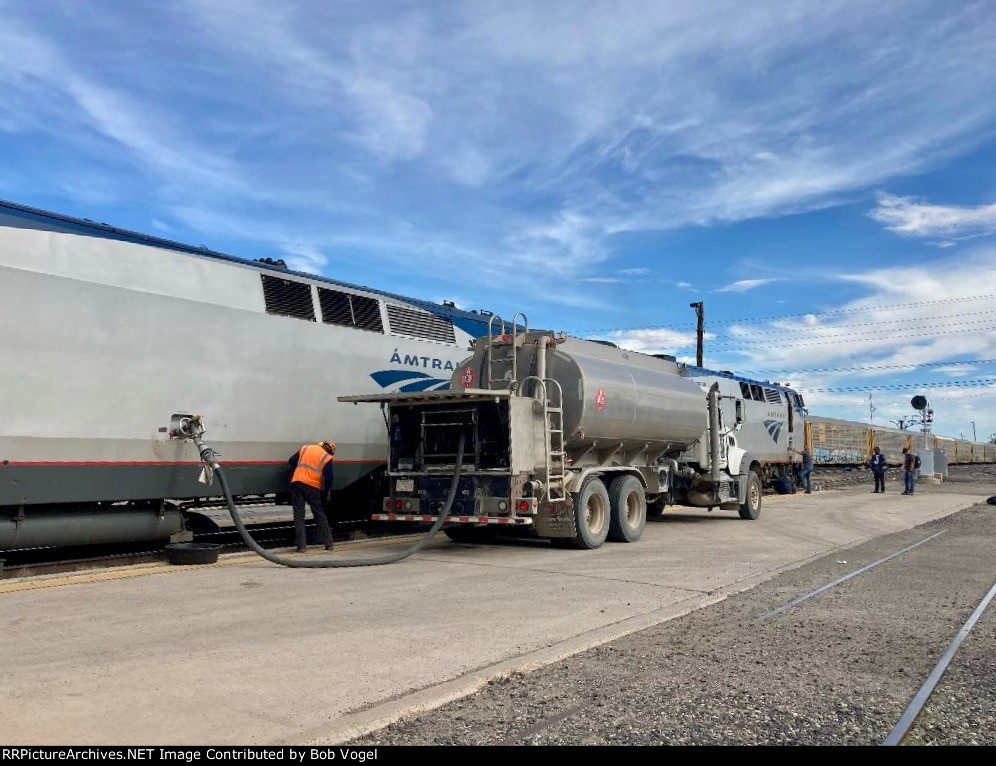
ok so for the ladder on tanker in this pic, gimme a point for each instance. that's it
(510, 378)
(553, 432)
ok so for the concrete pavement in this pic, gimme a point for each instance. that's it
(249, 653)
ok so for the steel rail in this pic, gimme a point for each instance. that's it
(908, 717)
(823, 588)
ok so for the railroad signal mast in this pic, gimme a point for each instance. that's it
(919, 403)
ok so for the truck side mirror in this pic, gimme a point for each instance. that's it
(741, 418)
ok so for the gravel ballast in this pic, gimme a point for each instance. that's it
(837, 669)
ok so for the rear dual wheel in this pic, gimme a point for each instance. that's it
(628, 501)
(591, 515)
(618, 513)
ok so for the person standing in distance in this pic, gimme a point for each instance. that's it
(313, 474)
(878, 466)
(909, 470)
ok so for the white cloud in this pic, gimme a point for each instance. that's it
(493, 142)
(956, 370)
(654, 340)
(303, 257)
(909, 317)
(517, 115)
(744, 285)
(906, 215)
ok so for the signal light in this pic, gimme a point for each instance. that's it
(523, 505)
(387, 503)
(398, 505)
(408, 505)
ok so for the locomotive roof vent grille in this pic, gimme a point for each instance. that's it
(350, 310)
(288, 298)
(420, 324)
(772, 396)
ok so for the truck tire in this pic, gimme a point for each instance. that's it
(628, 502)
(591, 514)
(751, 508)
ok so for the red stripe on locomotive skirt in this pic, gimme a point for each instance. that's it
(130, 463)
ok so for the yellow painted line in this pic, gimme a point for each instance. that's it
(235, 559)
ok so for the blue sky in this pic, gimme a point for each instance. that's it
(597, 164)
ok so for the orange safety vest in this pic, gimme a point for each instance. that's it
(311, 461)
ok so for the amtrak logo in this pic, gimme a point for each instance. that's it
(411, 380)
(774, 428)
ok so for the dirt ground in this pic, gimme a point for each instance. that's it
(839, 668)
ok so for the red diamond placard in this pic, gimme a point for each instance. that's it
(468, 378)
(600, 399)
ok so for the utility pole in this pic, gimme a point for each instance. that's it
(871, 409)
(974, 438)
(700, 330)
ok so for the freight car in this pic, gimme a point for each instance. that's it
(846, 442)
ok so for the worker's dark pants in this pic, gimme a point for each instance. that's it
(910, 477)
(879, 482)
(300, 494)
(804, 475)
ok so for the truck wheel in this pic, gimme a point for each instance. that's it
(628, 502)
(751, 509)
(591, 514)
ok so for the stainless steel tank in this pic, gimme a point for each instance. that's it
(614, 396)
(611, 396)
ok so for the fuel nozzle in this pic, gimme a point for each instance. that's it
(191, 428)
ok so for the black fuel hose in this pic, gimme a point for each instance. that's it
(208, 456)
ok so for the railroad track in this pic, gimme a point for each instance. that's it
(34, 562)
(920, 699)
(905, 723)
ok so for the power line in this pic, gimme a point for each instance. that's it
(861, 309)
(857, 338)
(977, 383)
(777, 317)
(827, 331)
(846, 328)
(862, 368)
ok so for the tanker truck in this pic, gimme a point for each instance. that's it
(565, 439)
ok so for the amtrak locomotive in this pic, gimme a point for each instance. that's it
(108, 333)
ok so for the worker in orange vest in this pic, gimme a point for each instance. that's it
(313, 474)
